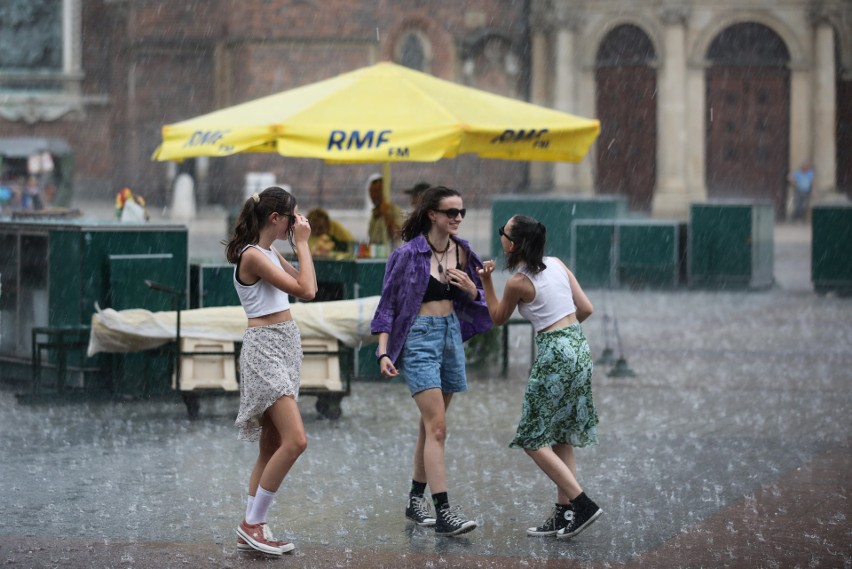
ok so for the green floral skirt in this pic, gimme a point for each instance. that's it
(558, 405)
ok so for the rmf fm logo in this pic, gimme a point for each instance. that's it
(343, 140)
(532, 135)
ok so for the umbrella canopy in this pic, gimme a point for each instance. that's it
(383, 113)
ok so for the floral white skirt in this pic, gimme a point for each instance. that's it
(270, 368)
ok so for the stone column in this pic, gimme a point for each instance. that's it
(670, 197)
(695, 164)
(72, 41)
(586, 108)
(801, 95)
(565, 94)
(824, 109)
(541, 173)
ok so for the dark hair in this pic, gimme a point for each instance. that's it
(255, 215)
(418, 221)
(529, 236)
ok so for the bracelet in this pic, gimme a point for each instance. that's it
(379, 359)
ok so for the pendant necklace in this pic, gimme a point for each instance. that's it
(440, 259)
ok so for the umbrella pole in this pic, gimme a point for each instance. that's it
(386, 181)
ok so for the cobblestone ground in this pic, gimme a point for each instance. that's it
(730, 447)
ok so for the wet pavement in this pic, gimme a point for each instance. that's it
(730, 447)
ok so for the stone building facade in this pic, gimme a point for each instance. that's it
(131, 66)
(698, 99)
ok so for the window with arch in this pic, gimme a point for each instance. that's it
(40, 46)
(490, 63)
(626, 45)
(413, 50)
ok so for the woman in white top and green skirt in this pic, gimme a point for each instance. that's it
(558, 409)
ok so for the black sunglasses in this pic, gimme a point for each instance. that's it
(453, 212)
(503, 233)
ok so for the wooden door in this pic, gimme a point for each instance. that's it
(747, 120)
(627, 146)
(844, 136)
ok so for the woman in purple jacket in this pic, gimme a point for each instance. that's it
(432, 301)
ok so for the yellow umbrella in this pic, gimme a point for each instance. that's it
(383, 113)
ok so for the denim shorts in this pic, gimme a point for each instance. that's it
(433, 355)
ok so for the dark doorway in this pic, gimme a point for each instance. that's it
(748, 115)
(626, 101)
(844, 125)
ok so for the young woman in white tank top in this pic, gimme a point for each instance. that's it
(271, 356)
(558, 411)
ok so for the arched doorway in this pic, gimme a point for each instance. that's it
(748, 115)
(626, 101)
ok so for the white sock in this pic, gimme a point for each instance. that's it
(249, 503)
(260, 506)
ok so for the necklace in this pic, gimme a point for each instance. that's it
(440, 259)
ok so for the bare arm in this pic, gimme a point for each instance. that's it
(296, 273)
(385, 364)
(302, 283)
(255, 265)
(518, 288)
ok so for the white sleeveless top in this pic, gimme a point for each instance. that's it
(261, 298)
(553, 297)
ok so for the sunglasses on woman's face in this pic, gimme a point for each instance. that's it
(503, 233)
(453, 212)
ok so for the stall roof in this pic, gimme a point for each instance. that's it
(21, 147)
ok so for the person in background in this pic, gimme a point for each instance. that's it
(136, 212)
(802, 181)
(416, 192)
(32, 195)
(271, 354)
(327, 235)
(558, 410)
(385, 223)
(431, 302)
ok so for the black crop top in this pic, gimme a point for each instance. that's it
(436, 290)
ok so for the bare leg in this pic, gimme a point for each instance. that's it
(433, 405)
(566, 455)
(555, 469)
(270, 440)
(284, 417)
(419, 467)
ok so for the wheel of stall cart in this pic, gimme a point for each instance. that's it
(329, 406)
(192, 404)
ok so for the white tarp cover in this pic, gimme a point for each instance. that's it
(134, 330)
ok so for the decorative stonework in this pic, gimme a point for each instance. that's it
(541, 17)
(32, 109)
(573, 22)
(824, 14)
(674, 15)
(569, 18)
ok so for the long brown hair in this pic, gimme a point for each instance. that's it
(255, 215)
(418, 222)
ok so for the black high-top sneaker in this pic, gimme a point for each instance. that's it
(418, 511)
(585, 512)
(450, 521)
(559, 518)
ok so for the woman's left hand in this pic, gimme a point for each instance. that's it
(459, 278)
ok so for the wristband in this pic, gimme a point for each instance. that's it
(379, 359)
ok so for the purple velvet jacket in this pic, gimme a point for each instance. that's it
(406, 277)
